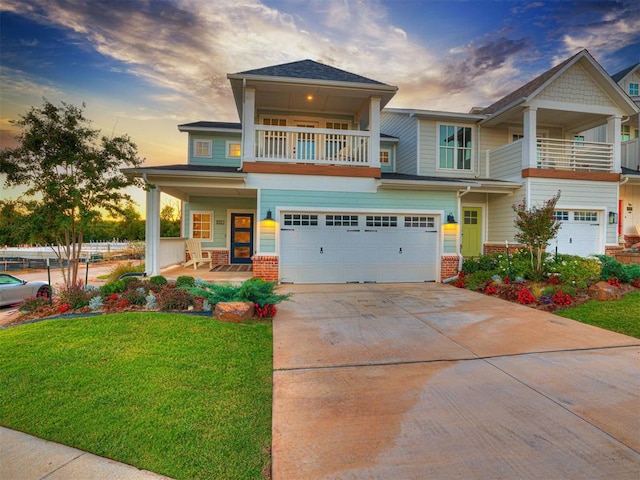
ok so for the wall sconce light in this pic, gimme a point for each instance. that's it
(613, 218)
(269, 216)
(451, 218)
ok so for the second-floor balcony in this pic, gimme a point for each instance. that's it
(312, 145)
(552, 154)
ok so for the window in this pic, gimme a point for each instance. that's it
(202, 225)
(561, 215)
(275, 142)
(633, 89)
(342, 220)
(233, 149)
(626, 133)
(470, 217)
(578, 140)
(385, 157)
(381, 221)
(202, 148)
(419, 222)
(302, 219)
(335, 143)
(455, 147)
(585, 216)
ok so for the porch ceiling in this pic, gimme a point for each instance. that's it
(567, 120)
(183, 193)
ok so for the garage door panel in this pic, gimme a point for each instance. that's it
(380, 248)
(579, 232)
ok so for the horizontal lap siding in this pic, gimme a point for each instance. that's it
(219, 207)
(398, 201)
(500, 216)
(428, 147)
(218, 149)
(630, 196)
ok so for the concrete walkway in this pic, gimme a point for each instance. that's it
(23, 457)
(426, 381)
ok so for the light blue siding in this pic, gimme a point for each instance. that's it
(218, 150)
(404, 127)
(219, 207)
(384, 199)
(391, 167)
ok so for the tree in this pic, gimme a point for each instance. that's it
(169, 221)
(75, 172)
(537, 227)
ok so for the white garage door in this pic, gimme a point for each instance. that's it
(339, 247)
(579, 232)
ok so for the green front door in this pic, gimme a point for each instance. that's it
(471, 231)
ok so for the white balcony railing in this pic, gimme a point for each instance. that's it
(312, 145)
(575, 155)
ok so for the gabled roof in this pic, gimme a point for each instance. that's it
(308, 69)
(617, 77)
(527, 90)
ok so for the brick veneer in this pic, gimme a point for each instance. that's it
(219, 257)
(611, 250)
(448, 266)
(266, 266)
(631, 240)
(490, 248)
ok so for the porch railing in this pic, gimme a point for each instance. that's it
(312, 145)
(575, 155)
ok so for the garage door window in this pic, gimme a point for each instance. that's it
(342, 220)
(382, 221)
(300, 219)
(419, 222)
(585, 216)
(561, 216)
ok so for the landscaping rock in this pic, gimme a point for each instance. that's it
(604, 292)
(235, 312)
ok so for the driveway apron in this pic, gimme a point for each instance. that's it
(426, 381)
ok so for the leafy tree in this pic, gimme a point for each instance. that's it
(74, 171)
(131, 227)
(169, 221)
(14, 222)
(537, 227)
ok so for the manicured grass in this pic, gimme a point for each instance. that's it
(180, 395)
(622, 316)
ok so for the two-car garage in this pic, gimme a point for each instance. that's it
(338, 247)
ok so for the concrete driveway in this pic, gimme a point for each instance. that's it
(426, 381)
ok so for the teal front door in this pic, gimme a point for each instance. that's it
(241, 237)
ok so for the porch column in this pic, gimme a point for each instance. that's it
(374, 130)
(248, 126)
(614, 134)
(152, 232)
(529, 142)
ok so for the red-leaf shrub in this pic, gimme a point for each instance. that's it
(492, 289)
(124, 303)
(265, 312)
(554, 280)
(525, 296)
(507, 280)
(635, 282)
(561, 298)
(614, 282)
(113, 296)
(64, 307)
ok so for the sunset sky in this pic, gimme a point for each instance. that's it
(143, 67)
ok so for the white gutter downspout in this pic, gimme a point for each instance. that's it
(242, 153)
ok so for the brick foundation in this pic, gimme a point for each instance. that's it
(490, 248)
(448, 266)
(630, 240)
(219, 257)
(266, 266)
(611, 250)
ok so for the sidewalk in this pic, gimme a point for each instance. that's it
(23, 457)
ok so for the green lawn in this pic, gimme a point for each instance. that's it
(621, 316)
(179, 395)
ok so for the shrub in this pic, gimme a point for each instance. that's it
(185, 281)
(573, 270)
(76, 296)
(158, 280)
(151, 303)
(134, 297)
(525, 296)
(175, 299)
(483, 263)
(123, 268)
(636, 282)
(476, 281)
(266, 311)
(31, 304)
(611, 268)
(254, 290)
(95, 304)
(561, 298)
(491, 289)
(112, 287)
(614, 282)
(64, 308)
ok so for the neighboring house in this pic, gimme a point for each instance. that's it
(320, 183)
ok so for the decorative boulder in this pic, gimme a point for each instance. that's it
(235, 312)
(604, 292)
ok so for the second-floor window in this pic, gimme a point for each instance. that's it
(454, 150)
(233, 149)
(628, 133)
(385, 157)
(633, 89)
(202, 148)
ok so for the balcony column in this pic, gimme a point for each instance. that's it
(248, 125)
(614, 135)
(374, 130)
(152, 232)
(529, 141)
